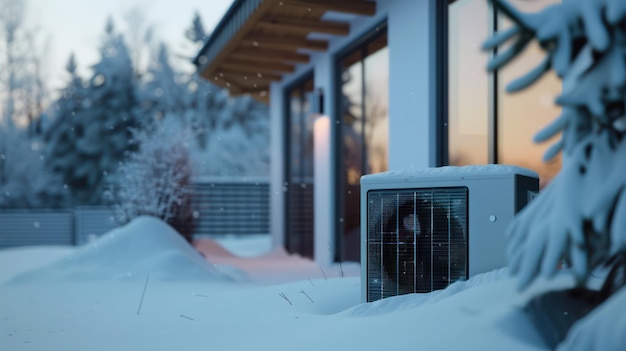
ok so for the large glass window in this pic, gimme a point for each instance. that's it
(468, 88)
(485, 124)
(299, 209)
(522, 114)
(364, 131)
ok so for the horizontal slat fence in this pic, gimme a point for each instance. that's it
(92, 222)
(24, 227)
(223, 207)
(231, 207)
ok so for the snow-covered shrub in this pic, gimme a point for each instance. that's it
(155, 180)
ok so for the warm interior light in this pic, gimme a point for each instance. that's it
(324, 247)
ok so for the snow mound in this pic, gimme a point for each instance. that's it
(272, 267)
(16, 260)
(131, 252)
(412, 301)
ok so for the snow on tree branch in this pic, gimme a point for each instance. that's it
(579, 218)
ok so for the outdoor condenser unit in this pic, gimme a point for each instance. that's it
(422, 230)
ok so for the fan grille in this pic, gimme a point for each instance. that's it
(416, 240)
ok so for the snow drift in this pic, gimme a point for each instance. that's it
(144, 246)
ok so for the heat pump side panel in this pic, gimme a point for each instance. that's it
(491, 209)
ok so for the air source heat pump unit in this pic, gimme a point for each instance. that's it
(422, 230)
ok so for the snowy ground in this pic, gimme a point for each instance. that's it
(90, 298)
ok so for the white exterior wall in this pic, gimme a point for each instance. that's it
(277, 166)
(323, 197)
(412, 137)
(412, 129)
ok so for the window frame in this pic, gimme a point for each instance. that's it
(373, 33)
(287, 146)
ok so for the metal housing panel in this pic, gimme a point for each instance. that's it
(493, 198)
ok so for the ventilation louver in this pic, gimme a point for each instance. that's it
(425, 229)
(416, 241)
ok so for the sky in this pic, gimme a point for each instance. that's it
(77, 26)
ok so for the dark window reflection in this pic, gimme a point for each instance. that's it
(300, 172)
(364, 133)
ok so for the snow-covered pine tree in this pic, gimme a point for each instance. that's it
(22, 175)
(232, 135)
(239, 139)
(196, 32)
(61, 154)
(575, 218)
(162, 93)
(205, 105)
(103, 126)
(580, 218)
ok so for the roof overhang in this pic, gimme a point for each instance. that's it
(258, 41)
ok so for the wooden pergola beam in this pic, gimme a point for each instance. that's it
(256, 67)
(255, 90)
(285, 43)
(357, 7)
(252, 77)
(261, 96)
(304, 26)
(269, 55)
(208, 70)
(233, 88)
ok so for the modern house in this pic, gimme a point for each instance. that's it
(358, 87)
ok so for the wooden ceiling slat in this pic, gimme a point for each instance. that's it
(251, 78)
(262, 10)
(286, 43)
(271, 41)
(234, 89)
(270, 55)
(254, 90)
(256, 67)
(304, 26)
(357, 7)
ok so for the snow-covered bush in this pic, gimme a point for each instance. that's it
(155, 180)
